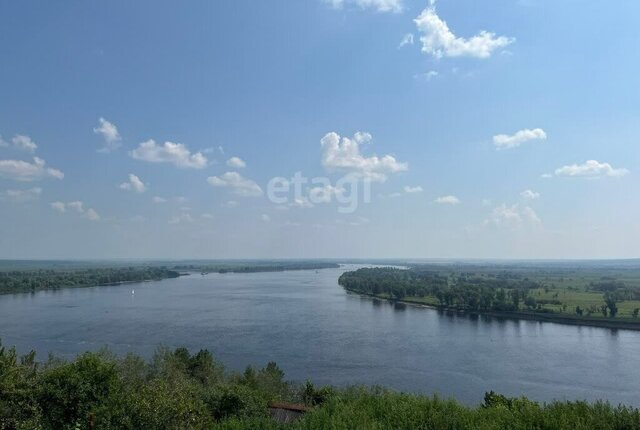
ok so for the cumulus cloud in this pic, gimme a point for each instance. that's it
(22, 195)
(406, 40)
(301, 203)
(412, 190)
(447, 200)
(159, 200)
(324, 193)
(439, 41)
(591, 169)
(265, 218)
(181, 219)
(514, 216)
(134, 184)
(78, 207)
(24, 143)
(344, 154)
(236, 163)
(505, 141)
(92, 215)
(237, 184)
(427, 76)
(530, 195)
(21, 142)
(377, 5)
(109, 133)
(230, 204)
(27, 172)
(174, 153)
(58, 207)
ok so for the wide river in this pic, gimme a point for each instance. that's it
(307, 323)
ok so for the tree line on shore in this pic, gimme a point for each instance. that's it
(27, 281)
(502, 292)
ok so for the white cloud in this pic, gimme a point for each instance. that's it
(92, 215)
(591, 169)
(439, 41)
(26, 172)
(169, 152)
(207, 215)
(413, 190)
(24, 143)
(78, 207)
(180, 219)
(447, 200)
(158, 199)
(302, 203)
(377, 5)
(427, 76)
(58, 206)
(134, 184)
(230, 204)
(514, 216)
(110, 134)
(325, 193)
(265, 218)
(504, 141)
(486, 202)
(237, 183)
(344, 154)
(530, 195)
(236, 163)
(22, 195)
(406, 40)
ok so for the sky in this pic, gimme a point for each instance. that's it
(319, 129)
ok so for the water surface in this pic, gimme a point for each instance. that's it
(313, 329)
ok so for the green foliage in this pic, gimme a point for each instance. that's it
(29, 281)
(178, 390)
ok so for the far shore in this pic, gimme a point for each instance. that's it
(530, 316)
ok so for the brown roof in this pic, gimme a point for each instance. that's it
(290, 407)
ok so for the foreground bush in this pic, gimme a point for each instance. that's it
(177, 390)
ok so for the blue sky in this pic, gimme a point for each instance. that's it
(151, 129)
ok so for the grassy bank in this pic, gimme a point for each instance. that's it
(179, 390)
(592, 296)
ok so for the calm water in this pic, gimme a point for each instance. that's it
(307, 324)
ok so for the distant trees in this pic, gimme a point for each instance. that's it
(26, 281)
(465, 291)
(610, 300)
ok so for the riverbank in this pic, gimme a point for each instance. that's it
(524, 315)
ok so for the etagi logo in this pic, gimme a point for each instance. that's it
(348, 191)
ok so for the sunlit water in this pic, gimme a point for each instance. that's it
(307, 323)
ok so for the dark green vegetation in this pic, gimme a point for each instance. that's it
(28, 281)
(32, 276)
(582, 294)
(257, 266)
(178, 390)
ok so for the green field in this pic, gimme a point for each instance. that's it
(593, 293)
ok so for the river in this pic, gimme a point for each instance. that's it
(313, 329)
